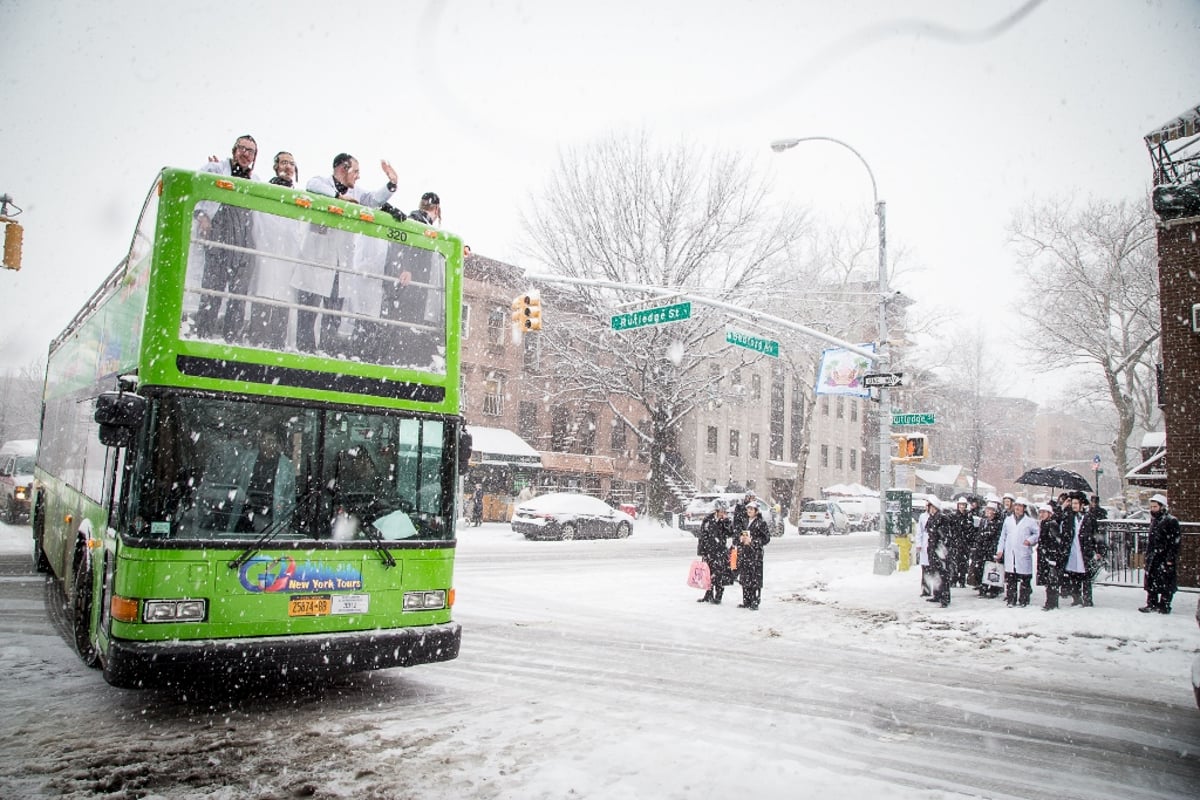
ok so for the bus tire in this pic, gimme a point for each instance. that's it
(81, 613)
(40, 562)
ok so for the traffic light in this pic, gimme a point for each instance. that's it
(527, 312)
(13, 235)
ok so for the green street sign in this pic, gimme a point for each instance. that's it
(768, 347)
(912, 419)
(652, 316)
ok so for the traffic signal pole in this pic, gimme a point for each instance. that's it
(752, 315)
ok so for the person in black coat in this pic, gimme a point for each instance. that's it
(1080, 526)
(751, 542)
(713, 546)
(983, 548)
(962, 532)
(1053, 546)
(1162, 557)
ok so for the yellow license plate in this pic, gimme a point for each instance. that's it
(310, 605)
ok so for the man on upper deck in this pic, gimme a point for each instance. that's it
(316, 286)
(226, 269)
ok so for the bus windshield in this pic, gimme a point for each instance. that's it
(264, 281)
(232, 469)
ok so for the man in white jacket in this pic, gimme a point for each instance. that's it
(1017, 540)
(333, 250)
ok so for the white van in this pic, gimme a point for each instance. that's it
(16, 478)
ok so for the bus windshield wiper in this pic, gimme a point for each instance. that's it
(376, 538)
(269, 533)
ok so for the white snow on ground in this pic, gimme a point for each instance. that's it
(598, 676)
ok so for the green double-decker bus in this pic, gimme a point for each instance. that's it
(251, 438)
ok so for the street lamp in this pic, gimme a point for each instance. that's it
(884, 564)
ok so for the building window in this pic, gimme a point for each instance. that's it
(756, 387)
(796, 445)
(527, 419)
(854, 410)
(493, 395)
(841, 407)
(735, 441)
(497, 325)
(853, 460)
(618, 435)
(837, 459)
(824, 405)
(587, 434)
(532, 354)
(737, 377)
(778, 412)
(754, 445)
(712, 439)
(824, 455)
(466, 320)
(558, 430)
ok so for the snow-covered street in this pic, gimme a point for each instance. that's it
(589, 671)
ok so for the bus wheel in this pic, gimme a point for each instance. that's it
(81, 614)
(40, 562)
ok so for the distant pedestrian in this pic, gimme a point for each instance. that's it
(1052, 549)
(1018, 536)
(751, 542)
(1080, 525)
(939, 538)
(713, 546)
(1162, 557)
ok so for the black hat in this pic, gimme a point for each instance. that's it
(1077, 495)
(431, 198)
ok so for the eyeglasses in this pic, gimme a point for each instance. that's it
(285, 162)
(246, 149)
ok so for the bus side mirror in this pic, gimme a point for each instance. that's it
(465, 443)
(118, 414)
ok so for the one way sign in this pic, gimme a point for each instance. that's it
(883, 379)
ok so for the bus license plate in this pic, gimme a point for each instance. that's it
(309, 605)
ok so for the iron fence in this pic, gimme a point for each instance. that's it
(1124, 549)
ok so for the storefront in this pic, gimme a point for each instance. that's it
(503, 463)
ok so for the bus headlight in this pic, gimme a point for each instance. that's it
(174, 610)
(424, 601)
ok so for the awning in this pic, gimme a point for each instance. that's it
(1152, 472)
(782, 470)
(498, 446)
(577, 462)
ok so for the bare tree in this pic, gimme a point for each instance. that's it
(675, 217)
(21, 402)
(1091, 301)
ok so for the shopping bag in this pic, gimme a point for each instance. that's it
(993, 574)
(699, 576)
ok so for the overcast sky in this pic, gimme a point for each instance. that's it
(964, 111)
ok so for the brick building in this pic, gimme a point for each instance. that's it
(1175, 153)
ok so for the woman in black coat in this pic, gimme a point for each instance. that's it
(750, 556)
(713, 546)
(1162, 556)
(1053, 547)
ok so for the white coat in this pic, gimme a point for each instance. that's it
(922, 541)
(327, 249)
(1017, 538)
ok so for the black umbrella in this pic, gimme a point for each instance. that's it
(1057, 478)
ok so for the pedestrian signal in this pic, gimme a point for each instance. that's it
(911, 447)
(527, 312)
(13, 235)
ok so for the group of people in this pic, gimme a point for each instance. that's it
(319, 293)
(732, 547)
(956, 541)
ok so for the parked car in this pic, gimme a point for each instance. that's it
(823, 516)
(16, 478)
(566, 515)
(856, 512)
(701, 506)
